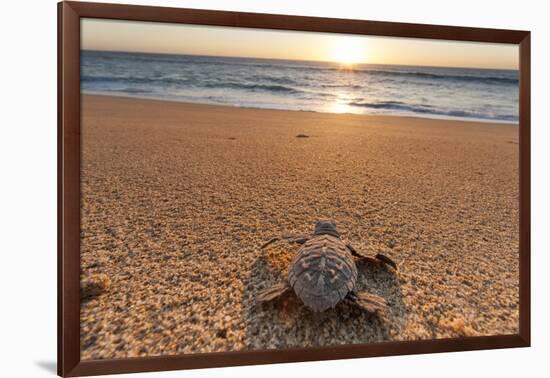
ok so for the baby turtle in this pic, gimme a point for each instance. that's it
(323, 272)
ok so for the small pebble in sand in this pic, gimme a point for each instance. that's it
(94, 285)
(222, 333)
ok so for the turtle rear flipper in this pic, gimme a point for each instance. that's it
(368, 302)
(273, 292)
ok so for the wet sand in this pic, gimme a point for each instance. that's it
(177, 198)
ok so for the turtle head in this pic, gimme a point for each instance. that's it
(328, 227)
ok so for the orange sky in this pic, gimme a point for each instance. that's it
(260, 43)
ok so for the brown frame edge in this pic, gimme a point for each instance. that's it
(68, 207)
(69, 14)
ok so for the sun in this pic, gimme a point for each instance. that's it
(349, 51)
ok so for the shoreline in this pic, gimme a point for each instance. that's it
(434, 117)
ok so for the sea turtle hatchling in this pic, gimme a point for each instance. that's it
(323, 272)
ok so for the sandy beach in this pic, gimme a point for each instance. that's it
(177, 199)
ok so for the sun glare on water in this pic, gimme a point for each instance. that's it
(349, 51)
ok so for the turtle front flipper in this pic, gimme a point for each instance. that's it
(368, 302)
(376, 259)
(386, 260)
(287, 238)
(273, 292)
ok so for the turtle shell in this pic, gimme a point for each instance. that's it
(323, 272)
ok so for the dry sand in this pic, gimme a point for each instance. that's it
(177, 198)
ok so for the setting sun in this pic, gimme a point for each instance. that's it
(349, 51)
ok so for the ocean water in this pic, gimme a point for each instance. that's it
(452, 93)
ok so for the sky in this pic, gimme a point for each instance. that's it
(132, 36)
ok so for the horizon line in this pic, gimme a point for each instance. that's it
(295, 60)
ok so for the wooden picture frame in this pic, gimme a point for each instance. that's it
(69, 15)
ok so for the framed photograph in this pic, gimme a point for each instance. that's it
(239, 188)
